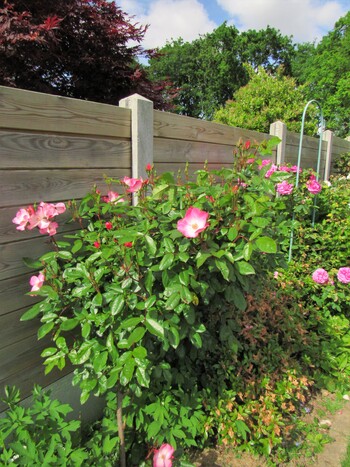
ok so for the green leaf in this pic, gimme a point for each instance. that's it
(232, 234)
(131, 323)
(266, 244)
(154, 327)
(247, 251)
(136, 335)
(45, 329)
(260, 221)
(142, 377)
(77, 246)
(149, 280)
(139, 352)
(168, 245)
(244, 268)
(173, 301)
(174, 337)
(166, 261)
(31, 313)
(201, 258)
(117, 305)
(127, 372)
(151, 245)
(32, 263)
(153, 429)
(69, 324)
(223, 268)
(185, 295)
(99, 361)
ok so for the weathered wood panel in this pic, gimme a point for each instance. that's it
(168, 125)
(13, 293)
(22, 187)
(11, 327)
(12, 254)
(38, 151)
(28, 110)
(166, 150)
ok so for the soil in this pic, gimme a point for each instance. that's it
(337, 425)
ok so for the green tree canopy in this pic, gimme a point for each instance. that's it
(325, 68)
(209, 70)
(264, 100)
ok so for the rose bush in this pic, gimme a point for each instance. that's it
(155, 304)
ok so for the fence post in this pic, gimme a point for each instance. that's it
(141, 134)
(328, 138)
(279, 129)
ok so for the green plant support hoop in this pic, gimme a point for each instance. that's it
(321, 129)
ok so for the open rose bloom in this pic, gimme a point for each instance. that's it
(194, 222)
(284, 188)
(37, 282)
(313, 186)
(41, 217)
(320, 276)
(344, 275)
(134, 184)
(163, 456)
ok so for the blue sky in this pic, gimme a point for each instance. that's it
(305, 20)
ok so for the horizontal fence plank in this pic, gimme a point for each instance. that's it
(23, 187)
(12, 329)
(341, 145)
(13, 293)
(192, 167)
(32, 150)
(28, 110)
(173, 126)
(12, 254)
(25, 380)
(178, 151)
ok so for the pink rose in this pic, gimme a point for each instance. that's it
(320, 276)
(112, 197)
(313, 186)
(271, 170)
(284, 188)
(265, 162)
(294, 169)
(284, 168)
(163, 456)
(251, 160)
(194, 222)
(36, 282)
(344, 275)
(134, 184)
(109, 225)
(22, 218)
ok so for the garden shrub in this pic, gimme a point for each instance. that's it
(170, 307)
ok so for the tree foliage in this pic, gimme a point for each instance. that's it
(75, 48)
(264, 100)
(325, 68)
(210, 69)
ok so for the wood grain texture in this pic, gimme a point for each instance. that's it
(44, 151)
(12, 329)
(23, 187)
(26, 379)
(179, 151)
(13, 293)
(173, 126)
(28, 110)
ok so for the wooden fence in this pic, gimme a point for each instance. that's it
(54, 149)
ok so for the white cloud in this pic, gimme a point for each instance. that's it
(169, 19)
(305, 20)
